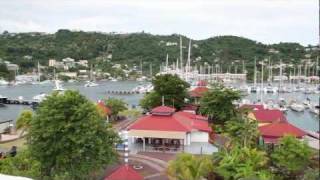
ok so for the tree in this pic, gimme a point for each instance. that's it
(242, 131)
(23, 164)
(4, 72)
(116, 106)
(242, 163)
(170, 87)
(150, 100)
(24, 120)
(188, 166)
(291, 157)
(69, 138)
(217, 104)
(132, 113)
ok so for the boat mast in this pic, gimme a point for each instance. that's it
(280, 82)
(167, 61)
(189, 61)
(181, 63)
(255, 72)
(317, 67)
(39, 72)
(261, 82)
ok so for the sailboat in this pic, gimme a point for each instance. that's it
(58, 85)
(3, 82)
(254, 88)
(38, 74)
(91, 83)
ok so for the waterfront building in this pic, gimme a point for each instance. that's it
(267, 116)
(164, 129)
(271, 133)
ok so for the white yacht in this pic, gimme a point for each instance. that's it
(58, 86)
(143, 88)
(91, 84)
(314, 111)
(253, 89)
(40, 97)
(3, 82)
(297, 107)
(270, 89)
(114, 79)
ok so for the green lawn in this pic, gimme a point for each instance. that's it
(20, 143)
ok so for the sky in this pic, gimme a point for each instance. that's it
(267, 21)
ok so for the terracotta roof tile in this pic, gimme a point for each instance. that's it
(124, 172)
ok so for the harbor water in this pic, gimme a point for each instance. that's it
(305, 120)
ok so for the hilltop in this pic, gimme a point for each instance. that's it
(142, 47)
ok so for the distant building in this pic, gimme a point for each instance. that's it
(68, 63)
(59, 65)
(83, 71)
(69, 74)
(171, 43)
(117, 66)
(12, 67)
(83, 63)
(273, 51)
(52, 62)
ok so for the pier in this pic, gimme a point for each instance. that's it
(123, 92)
(4, 100)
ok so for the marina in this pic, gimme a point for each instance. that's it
(127, 90)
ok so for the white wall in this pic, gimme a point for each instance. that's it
(199, 136)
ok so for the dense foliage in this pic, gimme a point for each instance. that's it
(187, 166)
(140, 47)
(291, 157)
(69, 137)
(171, 88)
(218, 105)
(242, 131)
(116, 106)
(24, 119)
(243, 163)
(23, 164)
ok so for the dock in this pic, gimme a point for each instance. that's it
(7, 101)
(123, 92)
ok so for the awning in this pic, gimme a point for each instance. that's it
(157, 134)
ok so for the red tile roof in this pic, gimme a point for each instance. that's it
(202, 83)
(163, 110)
(269, 115)
(252, 106)
(178, 121)
(190, 107)
(124, 172)
(104, 108)
(278, 130)
(198, 91)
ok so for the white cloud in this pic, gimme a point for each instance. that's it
(269, 21)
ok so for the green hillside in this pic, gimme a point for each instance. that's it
(132, 48)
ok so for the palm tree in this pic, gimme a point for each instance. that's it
(242, 131)
(187, 166)
(24, 120)
(241, 163)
